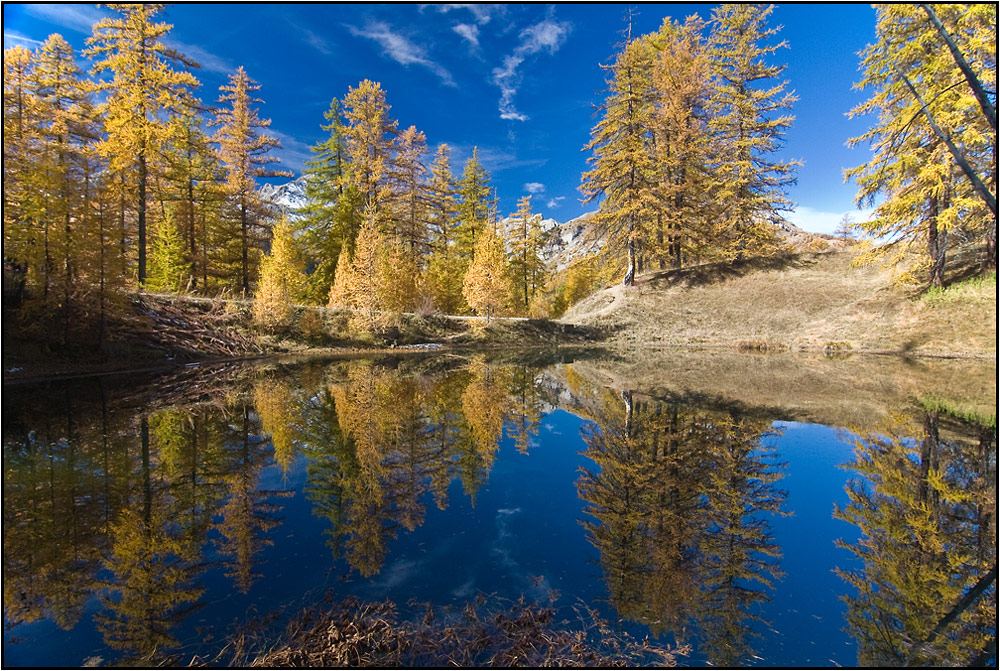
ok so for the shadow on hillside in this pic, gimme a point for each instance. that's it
(712, 273)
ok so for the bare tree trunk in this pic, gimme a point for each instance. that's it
(937, 245)
(629, 279)
(142, 219)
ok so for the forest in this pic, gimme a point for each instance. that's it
(121, 179)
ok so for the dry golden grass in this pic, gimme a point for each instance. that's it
(799, 302)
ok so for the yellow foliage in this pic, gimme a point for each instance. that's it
(487, 286)
(281, 282)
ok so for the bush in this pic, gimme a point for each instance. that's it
(311, 326)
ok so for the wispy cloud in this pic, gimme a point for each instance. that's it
(16, 38)
(534, 187)
(547, 35)
(293, 153)
(400, 49)
(80, 18)
(555, 202)
(494, 159)
(481, 13)
(208, 61)
(469, 32)
(316, 42)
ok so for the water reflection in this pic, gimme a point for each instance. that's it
(681, 495)
(133, 503)
(927, 510)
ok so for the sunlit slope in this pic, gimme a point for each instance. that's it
(803, 302)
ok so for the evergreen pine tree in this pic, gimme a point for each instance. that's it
(244, 149)
(330, 220)
(476, 202)
(444, 273)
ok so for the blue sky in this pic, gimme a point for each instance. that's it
(518, 81)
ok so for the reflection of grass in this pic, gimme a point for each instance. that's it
(487, 632)
(970, 412)
(855, 391)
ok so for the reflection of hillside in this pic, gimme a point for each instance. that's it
(807, 388)
(680, 501)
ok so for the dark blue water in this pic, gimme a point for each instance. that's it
(700, 523)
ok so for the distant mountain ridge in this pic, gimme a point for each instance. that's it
(566, 240)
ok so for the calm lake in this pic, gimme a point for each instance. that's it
(767, 510)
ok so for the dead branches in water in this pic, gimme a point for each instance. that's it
(487, 632)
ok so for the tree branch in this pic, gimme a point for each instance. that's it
(977, 88)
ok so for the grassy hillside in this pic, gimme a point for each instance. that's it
(804, 301)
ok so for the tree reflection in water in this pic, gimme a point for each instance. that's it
(926, 509)
(128, 499)
(680, 502)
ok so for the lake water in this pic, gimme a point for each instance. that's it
(765, 510)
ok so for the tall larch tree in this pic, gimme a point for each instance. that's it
(923, 103)
(369, 132)
(623, 173)
(21, 143)
(749, 119)
(487, 287)
(68, 131)
(681, 80)
(411, 194)
(193, 179)
(526, 262)
(148, 81)
(245, 152)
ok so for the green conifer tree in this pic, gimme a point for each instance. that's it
(244, 149)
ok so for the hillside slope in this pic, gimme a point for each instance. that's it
(805, 301)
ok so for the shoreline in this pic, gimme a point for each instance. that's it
(74, 370)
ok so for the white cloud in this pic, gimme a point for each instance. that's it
(534, 187)
(555, 202)
(547, 35)
(80, 18)
(21, 40)
(400, 49)
(816, 221)
(481, 13)
(469, 33)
